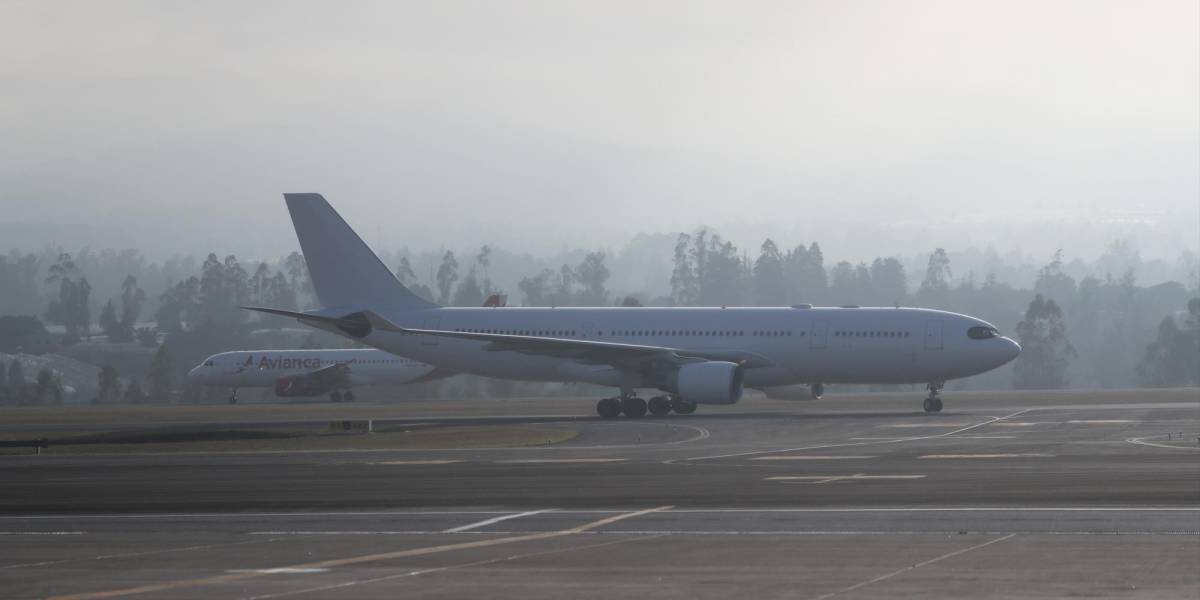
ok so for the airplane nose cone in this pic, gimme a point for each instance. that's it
(194, 373)
(1011, 349)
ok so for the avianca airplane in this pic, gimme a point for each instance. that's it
(691, 355)
(310, 372)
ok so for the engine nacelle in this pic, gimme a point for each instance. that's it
(286, 387)
(712, 382)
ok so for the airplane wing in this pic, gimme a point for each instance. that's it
(588, 351)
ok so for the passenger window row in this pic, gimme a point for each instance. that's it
(885, 334)
(674, 333)
(538, 333)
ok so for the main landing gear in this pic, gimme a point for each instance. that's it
(933, 403)
(233, 396)
(635, 407)
(336, 396)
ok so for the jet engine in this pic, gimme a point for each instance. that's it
(712, 382)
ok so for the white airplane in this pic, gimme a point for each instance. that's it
(693, 355)
(310, 372)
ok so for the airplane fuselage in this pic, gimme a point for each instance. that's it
(263, 368)
(790, 345)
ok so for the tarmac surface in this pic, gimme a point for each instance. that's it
(1031, 495)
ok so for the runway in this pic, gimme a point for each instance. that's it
(1001, 495)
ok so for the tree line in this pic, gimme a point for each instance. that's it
(1099, 332)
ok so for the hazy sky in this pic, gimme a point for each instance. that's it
(875, 127)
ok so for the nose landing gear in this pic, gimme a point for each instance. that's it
(933, 403)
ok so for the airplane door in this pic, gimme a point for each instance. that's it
(431, 323)
(933, 335)
(820, 335)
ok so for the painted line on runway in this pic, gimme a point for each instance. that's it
(486, 522)
(539, 461)
(983, 437)
(906, 425)
(165, 586)
(254, 515)
(916, 566)
(701, 434)
(839, 478)
(938, 509)
(1025, 423)
(1101, 421)
(810, 457)
(376, 514)
(278, 571)
(361, 532)
(847, 532)
(45, 563)
(477, 563)
(692, 460)
(1142, 442)
(432, 461)
(43, 533)
(957, 456)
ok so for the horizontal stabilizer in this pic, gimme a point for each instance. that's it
(354, 324)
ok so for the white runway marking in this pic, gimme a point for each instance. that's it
(251, 515)
(1101, 421)
(560, 460)
(354, 532)
(1025, 423)
(929, 424)
(983, 437)
(839, 478)
(43, 533)
(277, 571)
(130, 554)
(432, 461)
(809, 457)
(939, 509)
(449, 567)
(916, 566)
(954, 456)
(175, 584)
(487, 522)
(1142, 442)
(852, 444)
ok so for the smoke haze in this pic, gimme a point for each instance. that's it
(873, 127)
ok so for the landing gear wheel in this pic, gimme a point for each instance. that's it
(659, 406)
(682, 406)
(933, 403)
(335, 396)
(348, 396)
(633, 407)
(608, 408)
(233, 398)
(817, 390)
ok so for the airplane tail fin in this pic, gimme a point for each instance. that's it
(345, 272)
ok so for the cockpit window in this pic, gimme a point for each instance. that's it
(208, 363)
(982, 333)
